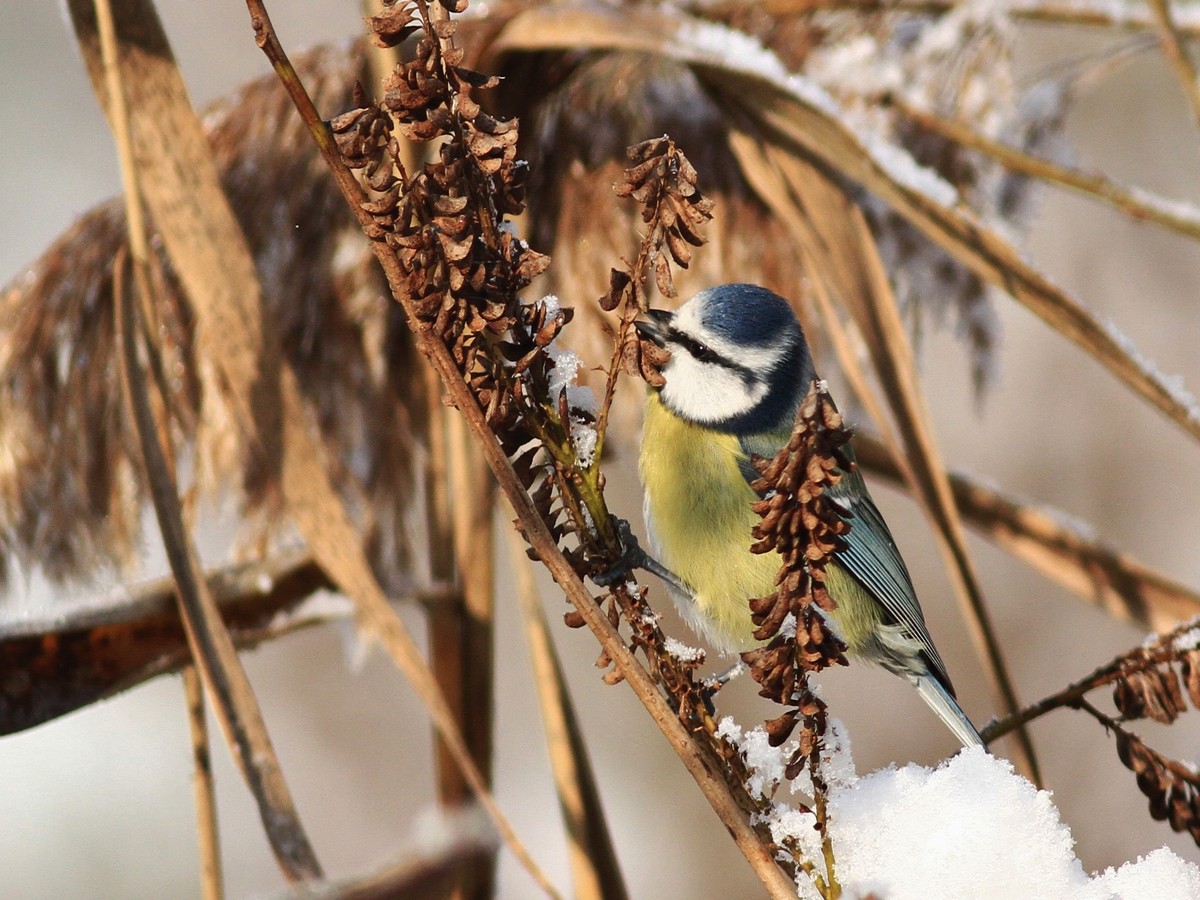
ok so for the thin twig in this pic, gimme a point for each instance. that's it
(1175, 50)
(1176, 768)
(1126, 664)
(202, 787)
(698, 759)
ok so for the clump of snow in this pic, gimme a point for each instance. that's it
(682, 652)
(973, 828)
(1189, 639)
(580, 398)
(969, 828)
(728, 47)
(1159, 874)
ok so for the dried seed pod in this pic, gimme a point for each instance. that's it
(1153, 693)
(801, 523)
(1173, 789)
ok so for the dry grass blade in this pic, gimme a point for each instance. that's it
(211, 646)
(203, 788)
(834, 237)
(1111, 580)
(445, 625)
(802, 121)
(1177, 53)
(595, 872)
(182, 191)
(137, 635)
(1137, 204)
(474, 548)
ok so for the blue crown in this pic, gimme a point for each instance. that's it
(746, 314)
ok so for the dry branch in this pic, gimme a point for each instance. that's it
(699, 760)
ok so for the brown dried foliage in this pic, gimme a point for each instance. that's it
(674, 209)
(1151, 683)
(806, 527)
(664, 182)
(464, 271)
(1172, 788)
(72, 501)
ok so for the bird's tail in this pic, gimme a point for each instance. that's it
(941, 702)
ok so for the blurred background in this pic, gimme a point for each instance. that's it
(99, 803)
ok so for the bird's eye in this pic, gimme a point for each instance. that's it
(698, 350)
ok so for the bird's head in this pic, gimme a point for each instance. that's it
(739, 361)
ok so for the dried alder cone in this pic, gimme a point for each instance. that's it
(464, 269)
(1172, 788)
(1147, 685)
(803, 523)
(664, 182)
(674, 208)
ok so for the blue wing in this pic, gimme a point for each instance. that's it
(871, 556)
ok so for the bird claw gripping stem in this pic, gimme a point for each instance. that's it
(634, 557)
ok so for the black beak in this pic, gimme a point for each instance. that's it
(656, 326)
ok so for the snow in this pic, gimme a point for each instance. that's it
(583, 439)
(567, 364)
(1159, 874)
(682, 651)
(733, 49)
(969, 828)
(1189, 639)
(1171, 385)
(580, 398)
(899, 165)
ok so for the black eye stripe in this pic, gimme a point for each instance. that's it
(704, 353)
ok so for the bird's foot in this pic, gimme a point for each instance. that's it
(721, 679)
(634, 557)
(711, 685)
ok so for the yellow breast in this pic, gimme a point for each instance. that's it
(698, 510)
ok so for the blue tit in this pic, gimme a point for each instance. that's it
(739, 369)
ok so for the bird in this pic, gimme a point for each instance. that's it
(738, 371)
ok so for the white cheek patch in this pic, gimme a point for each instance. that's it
(707, 392)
